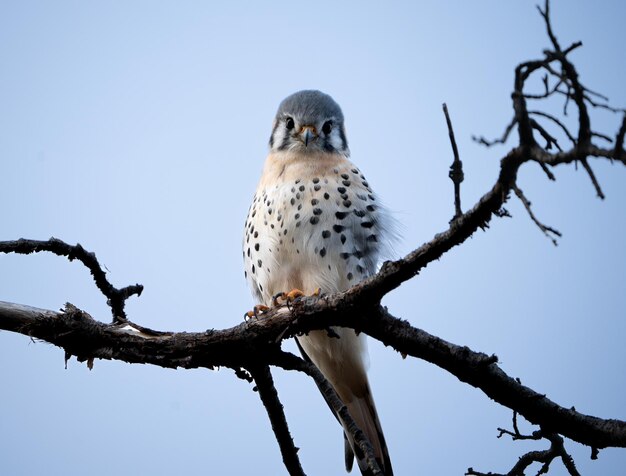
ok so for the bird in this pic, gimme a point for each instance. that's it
(315, 224)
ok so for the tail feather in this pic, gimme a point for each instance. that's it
(341, 362)
(348, 453)
(363, 411)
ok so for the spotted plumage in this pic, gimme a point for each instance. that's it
(315, 223)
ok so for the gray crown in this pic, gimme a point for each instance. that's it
(310, 106)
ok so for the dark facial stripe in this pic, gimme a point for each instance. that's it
(328, 147)
(344, 141)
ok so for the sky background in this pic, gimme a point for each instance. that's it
(139, 129)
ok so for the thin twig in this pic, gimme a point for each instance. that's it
(599, 135)
(546, 457)
(557, 122)
(593, 178)
(456, 169)
(546, 135)
(600, 105)
(269, 396)
(548, 92)
(547, 230)
(500, 140)
(578, 92)
(547, 171)
(545, 13)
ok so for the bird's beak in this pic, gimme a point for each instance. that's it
(308, 134)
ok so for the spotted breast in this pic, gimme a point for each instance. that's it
(311, 226)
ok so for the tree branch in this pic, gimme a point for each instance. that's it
(269, 396)
(546, 457)
(116, 298)
(80, 335)
(456, 169)
(500, 140)
(547, 230)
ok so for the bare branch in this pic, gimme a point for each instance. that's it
(501, 140)
(593, 178)
(269, 396)
(456, 169)
(599, 95)
(557, 122)
(550, 140)
(600, 105)
(599, 135)
(116, 298)
(548, 91)
(394, 273)
(548, 172)
(578, 95)
(548, 231)
(545, 13)
(556, 450)
(82, 336)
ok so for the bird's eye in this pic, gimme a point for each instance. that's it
(289, 123)
(327, 127)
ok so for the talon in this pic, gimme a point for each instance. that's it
(258, 309)
(317, 292)
(293, 295)
(277, 296)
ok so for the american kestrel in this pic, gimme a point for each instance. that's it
(315, 223)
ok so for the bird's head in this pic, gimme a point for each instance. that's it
(309, 122)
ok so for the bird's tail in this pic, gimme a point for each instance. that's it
(342, 363)
(363, 411)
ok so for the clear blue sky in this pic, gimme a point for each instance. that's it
(139, 130)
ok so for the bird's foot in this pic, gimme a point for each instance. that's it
(288, 298)
(258, 309)
(277, 300)
(292, 295)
